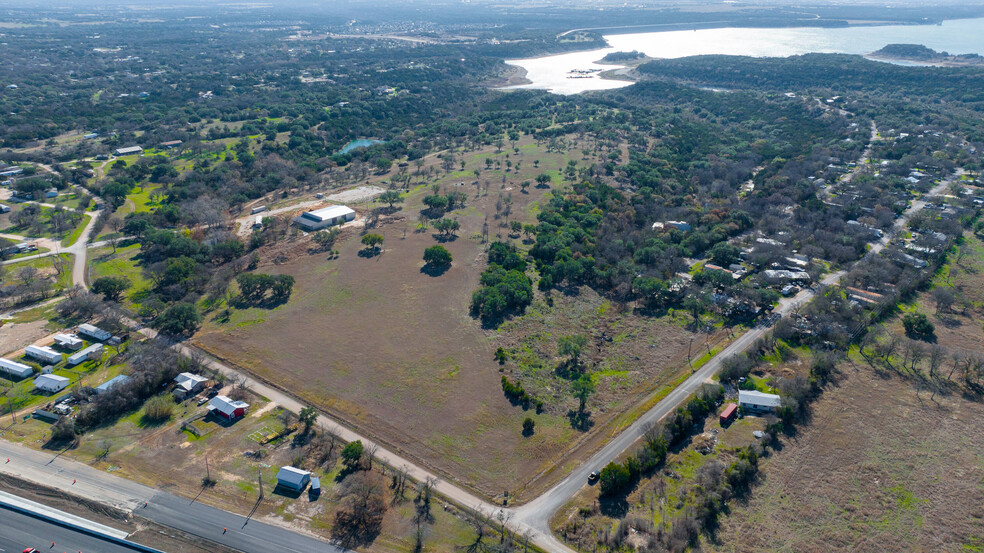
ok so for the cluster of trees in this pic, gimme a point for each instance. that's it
(505, 288)
(519, 396)
(619, 478)
(253, 287)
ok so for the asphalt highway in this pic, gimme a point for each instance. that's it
(19, 531)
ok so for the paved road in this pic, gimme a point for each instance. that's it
(163, 508)
(19, 531)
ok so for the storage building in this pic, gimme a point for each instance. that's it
(227, 408)
(94, 332)
(51, 383)
(68, 341)
(730, 410)
(43, 353)
(15, 369)
(129, 150)
(90, 353)
(758, 402)
(324, 217)
(293, 478)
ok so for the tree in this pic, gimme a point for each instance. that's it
(360, 517)
(542, 180)
(570, 346)
(724, 254)
(436, 202)
(614, 478)
(307, 417)
(391, 197)
(352, 455)
(944, 298)
(437, 257)
(282, 287)
(325, 239)
(159, 408)
(583, 387)
(111, 287)
(528, 426)
(372, 243)
(917, 324)
(447, 226)
(180, 319)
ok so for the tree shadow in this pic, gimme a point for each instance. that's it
(615, 506)
(445, 238)
(434, 270)
(369, 253)
(580, 420)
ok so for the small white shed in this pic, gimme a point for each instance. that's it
(293, 478)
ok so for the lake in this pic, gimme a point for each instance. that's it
(961, 36)
(359, 143)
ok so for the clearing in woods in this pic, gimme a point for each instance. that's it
(394, 352)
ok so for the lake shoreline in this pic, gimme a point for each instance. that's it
(553, 72)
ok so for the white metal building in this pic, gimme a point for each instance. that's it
(293, 478)
(94, 332)
(43, 353)
(752, 400)
(68, 341)
(129, 150)
(51, 383)
(88, 354)
(324, 217)
(13, 368)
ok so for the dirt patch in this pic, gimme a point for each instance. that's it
(355, 195)
(17, 336)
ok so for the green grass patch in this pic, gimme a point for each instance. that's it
(74, 236)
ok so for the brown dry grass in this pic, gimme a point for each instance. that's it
(879, 468)
(394, 352)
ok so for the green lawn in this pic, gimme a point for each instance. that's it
(103, 262)
(46, 264)
(74, 236)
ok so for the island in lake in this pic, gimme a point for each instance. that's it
(917, 53)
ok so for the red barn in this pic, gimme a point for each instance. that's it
(730, 410)
(227, 408)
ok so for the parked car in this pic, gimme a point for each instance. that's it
(593, 477)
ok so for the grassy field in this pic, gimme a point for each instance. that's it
(395, 353)
(103, 262)
(879, 468)
(74, 236)
(46, 268)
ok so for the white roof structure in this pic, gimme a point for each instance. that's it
(14, 368)
(226, 405)
(94, 332)
(51, 383)
(293, 477)
(321, 218)
(189, 381)
(43, 353)
(85, 355)
(128, 150)
(759, 399)
(69, 341)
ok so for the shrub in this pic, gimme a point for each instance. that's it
(917, 324)
(528, 426)
(614, 479)
(352, 455)
(159, 408)
(63, 430)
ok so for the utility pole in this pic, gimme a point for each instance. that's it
(259, 477)
(208, 476)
